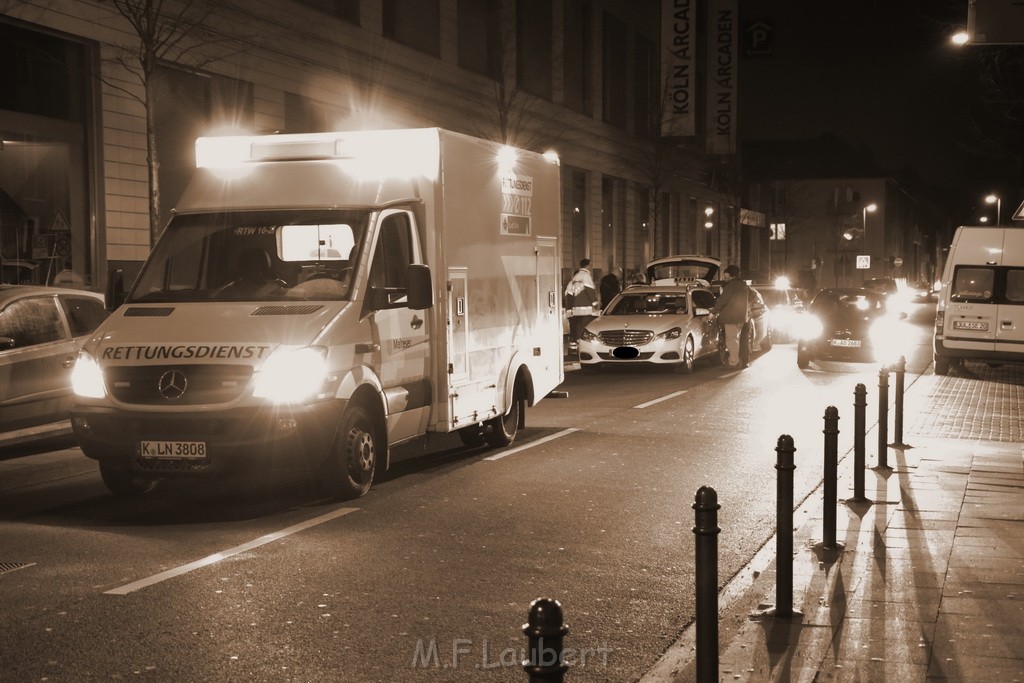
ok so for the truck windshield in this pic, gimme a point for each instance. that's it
(254, 256)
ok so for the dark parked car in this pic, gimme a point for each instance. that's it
(882, 285)
(851, 325)
(41, 331)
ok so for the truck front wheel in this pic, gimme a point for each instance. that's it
(125, 483)
(349, 470)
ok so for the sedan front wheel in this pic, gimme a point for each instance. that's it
(685, 366)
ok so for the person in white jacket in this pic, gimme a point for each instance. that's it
(581, 301)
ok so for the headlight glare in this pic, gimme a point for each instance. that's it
(291, 375)
(87, 378)
(889, 339)
(808, 327)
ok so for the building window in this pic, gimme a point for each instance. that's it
(614, 70)
(533, 47)
(416, 23)
(347, 10)
(645, 89)
(576, 46)
(303, 115)
(480, 40)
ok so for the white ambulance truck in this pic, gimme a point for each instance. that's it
(980, 313)
(319, 298)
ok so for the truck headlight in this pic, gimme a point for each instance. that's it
(291, 375)
(87, 378)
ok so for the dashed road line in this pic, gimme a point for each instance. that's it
(551, 437)
(663, 398)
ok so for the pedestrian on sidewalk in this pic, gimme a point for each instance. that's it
(581, 302)
(611, 284)
(733, 311)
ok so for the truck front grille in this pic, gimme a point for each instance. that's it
(178, 384)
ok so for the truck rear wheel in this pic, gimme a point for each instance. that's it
(503, 429)
(125, 483)
(349, 469)
(941, 365)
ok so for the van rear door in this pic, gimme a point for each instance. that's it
(1010, 314)
(972, 313)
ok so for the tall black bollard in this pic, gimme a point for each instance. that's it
(784, 527)
(883, 418)
(897, 419)
(860, 402)
(831, 432)
(705, 529)
(544, 633)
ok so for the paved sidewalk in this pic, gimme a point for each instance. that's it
(929, 585)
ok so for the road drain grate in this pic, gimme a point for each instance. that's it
(13, 566)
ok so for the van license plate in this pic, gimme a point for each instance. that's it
(845, 342)
(172, 449)
(977, 325)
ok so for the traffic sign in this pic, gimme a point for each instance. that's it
(863, 261)
(897, 261)
(1018, 215)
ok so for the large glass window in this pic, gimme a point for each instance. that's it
(416, 23)
(533, 47)
(1015, 286)
(614, 70)
(343, 9)
(576, 46)
(480, 39)
(645, 89)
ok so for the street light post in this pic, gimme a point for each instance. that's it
(869, 208)
(998, 201)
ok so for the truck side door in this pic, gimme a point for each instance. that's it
(401, 334)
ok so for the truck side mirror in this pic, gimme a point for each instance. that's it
(421, 289)
(115, 294)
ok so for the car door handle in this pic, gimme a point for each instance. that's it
(416, 322)
(1007, 323)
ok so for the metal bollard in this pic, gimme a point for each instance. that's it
(883, 418)
(831, 474)
(784, 527)
(901, 368)
(544, 633)
(705, 529)
(860, 402)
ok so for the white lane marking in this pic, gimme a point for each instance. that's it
(217, 557)
(538, 442)
(663, 398)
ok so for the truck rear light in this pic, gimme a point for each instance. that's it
(940, 320)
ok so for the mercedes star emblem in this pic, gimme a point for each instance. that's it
(172, 384)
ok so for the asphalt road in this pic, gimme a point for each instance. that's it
(430, 575)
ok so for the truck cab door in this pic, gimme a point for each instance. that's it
(401, 334)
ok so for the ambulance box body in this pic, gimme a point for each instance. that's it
(980, 312)
(319, 298)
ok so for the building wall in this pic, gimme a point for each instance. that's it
(356, 78)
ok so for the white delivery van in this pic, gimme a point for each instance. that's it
(318, 298)
(980, 312)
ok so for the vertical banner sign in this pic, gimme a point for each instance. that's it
(723, 61)
(678, 42)
(516, 204)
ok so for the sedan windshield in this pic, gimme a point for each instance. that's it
(648, 303)
(253, 256)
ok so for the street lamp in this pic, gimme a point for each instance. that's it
(993, 199)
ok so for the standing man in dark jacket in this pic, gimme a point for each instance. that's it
(733, 311)
(611, 284)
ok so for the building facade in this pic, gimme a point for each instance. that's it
(85, 109)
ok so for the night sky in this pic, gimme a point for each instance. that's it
(881, 73)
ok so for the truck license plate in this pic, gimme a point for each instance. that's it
(846, 342)
(172, 449)
(977, 325)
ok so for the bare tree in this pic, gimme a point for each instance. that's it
(165, 32)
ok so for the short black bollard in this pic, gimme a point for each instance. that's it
(883, 418)
(544, 633)
(831, 432)
(860, 402)
(705, 529)
(784, 527)
(897, 419)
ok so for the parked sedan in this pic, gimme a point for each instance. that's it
(41, 331)
(669, 326)
(846, 324)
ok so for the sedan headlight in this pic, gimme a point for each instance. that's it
(87, 378)
(292, 375)
(588, 336)
(807, 327)
(674, 333)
